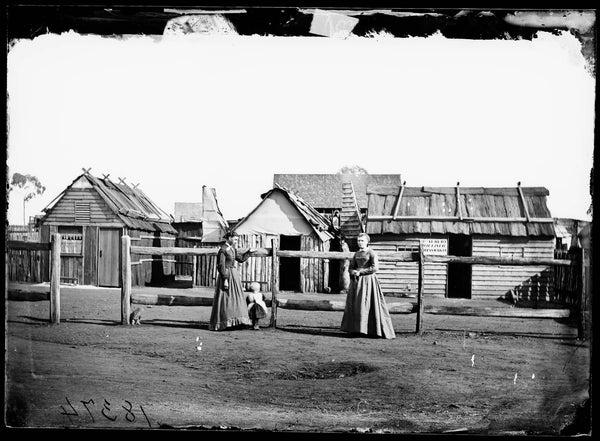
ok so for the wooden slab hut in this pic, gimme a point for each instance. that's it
(92, 214)
(476, 221)
(294, 225)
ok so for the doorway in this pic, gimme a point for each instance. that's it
(108, 257)
(459, 274)
(289, 267)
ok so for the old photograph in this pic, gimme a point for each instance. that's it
(299, 220)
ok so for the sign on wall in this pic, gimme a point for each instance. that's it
(435, 247)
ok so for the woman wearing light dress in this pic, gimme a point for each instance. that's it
(366, 312)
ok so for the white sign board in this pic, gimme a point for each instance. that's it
(436, 247)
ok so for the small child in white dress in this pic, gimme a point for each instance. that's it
(257, 308)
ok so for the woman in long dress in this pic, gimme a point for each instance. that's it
(229, 308)
(366, 311)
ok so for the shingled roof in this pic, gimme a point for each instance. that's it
(516, 211)
(129, 203)
(324, 191)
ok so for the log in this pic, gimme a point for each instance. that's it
(338, 305)
(484, 260)
(125, 280)
(161, 251)
(27, 295)
(481, 311)
(165, 299)
(31, 246)
(55, 279)
(463, 219)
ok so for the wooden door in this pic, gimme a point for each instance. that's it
(108, 257)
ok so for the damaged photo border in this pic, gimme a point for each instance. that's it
(30, 21)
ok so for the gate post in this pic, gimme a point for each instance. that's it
(419, 329)
(55, 279)
(274, 265)
(125, 280)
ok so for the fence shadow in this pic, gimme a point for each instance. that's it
(328, 331)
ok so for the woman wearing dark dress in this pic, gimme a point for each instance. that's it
(229, 308)
(366, 311)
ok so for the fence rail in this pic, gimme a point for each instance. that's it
(326, 305)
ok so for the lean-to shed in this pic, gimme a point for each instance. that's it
(293, 224)
(464, 221)
(199, 225)
(92, 214)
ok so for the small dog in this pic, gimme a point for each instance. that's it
(136, 316)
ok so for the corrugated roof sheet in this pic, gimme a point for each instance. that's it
(476, 202)
(324, 191)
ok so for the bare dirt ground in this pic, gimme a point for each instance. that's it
(465, 374)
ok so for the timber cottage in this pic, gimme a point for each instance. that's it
(475, 221)
(293, 224)
(92, 214)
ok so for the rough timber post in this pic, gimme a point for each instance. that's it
(419, 329)
(274, 265)
(584, 324)
(55, 279)
(125, 279)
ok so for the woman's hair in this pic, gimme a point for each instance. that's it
(230, 234)
(365, 235)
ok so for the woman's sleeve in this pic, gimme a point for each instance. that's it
(373, 264)
(221, 267)
(243, 256)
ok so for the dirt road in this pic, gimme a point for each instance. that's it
(465, 374)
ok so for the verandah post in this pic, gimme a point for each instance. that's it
(125, 279)
(419, 329)
(55, 279)
(274, 265)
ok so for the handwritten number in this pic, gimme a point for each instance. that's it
(107, 407)
(129, 412)
(64, 412)
(85, 403)
(145, 416)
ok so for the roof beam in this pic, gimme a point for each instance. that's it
(397, 207)
(523, 201)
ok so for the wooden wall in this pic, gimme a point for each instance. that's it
(401, 278)
(314, 276)
(528, 282)
(63, 212)
(257, 269)
(206, 266)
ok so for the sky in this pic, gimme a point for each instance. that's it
(173, 114)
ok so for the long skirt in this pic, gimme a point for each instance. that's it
(229, 307)
(365, 311)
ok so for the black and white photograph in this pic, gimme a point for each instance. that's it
(299, 220)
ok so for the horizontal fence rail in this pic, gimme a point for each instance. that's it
(417, 307)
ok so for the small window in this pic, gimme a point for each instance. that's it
(72, 240)
(82, 212)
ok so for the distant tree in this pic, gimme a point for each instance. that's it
(30, 184)
(353, 170)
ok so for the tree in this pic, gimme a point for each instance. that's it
(353, 170)
(31, 186)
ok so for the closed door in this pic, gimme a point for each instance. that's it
(108, 257)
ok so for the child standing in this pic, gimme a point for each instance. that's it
(257, 307)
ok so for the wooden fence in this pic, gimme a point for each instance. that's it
(54, 246)
(419, 258)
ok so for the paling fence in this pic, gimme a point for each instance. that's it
(418, 308)
(54, 249)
